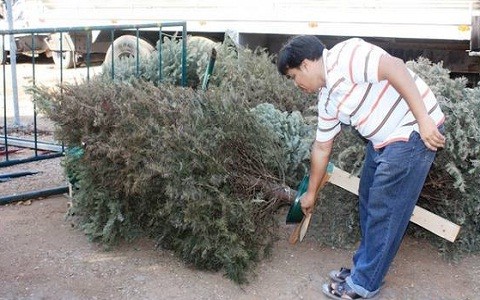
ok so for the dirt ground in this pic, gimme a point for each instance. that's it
(43, 256)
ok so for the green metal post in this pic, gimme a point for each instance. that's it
(112, 38)
(138, 54)
(4, 82)
(160, 50)
(89, 50)
(35, 133)
(184, 56)
(209, 70)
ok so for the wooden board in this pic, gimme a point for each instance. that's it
(428, 220)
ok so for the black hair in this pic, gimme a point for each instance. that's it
(296, 50)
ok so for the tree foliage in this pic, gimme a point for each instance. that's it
(183, 166)
(451, 189)
(204, 172)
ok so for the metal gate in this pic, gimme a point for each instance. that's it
(22, 139)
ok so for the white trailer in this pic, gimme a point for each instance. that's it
(441, 30)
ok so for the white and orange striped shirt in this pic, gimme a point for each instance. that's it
(354, 96)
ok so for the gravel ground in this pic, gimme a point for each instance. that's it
(45, 256)
(48, 175)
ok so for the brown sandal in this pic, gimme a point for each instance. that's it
(340, 275)
(340, 291)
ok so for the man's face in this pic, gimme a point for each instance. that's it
(304, 77)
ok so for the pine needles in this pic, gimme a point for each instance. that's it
(203, 173)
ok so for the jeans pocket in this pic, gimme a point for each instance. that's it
(406, 152)
(420, 151)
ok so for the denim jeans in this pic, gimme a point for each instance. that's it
(390, 184)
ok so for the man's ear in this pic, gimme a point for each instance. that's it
(303, 65)
(306, 65)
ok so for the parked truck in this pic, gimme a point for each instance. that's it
(24, 15)
(441, 30)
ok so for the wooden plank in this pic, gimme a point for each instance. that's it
(436, 224)
(428, 220)
(345, 180)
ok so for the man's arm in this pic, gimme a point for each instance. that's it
(319, 158)
(395, 71)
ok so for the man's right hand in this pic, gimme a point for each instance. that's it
(307, 203)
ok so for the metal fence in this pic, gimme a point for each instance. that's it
(21, 138)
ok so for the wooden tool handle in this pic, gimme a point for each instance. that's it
(295, 235)
(302, 227)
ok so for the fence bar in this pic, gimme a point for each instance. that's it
(12, 162)
(4, 83)
(34, 195)
(91, 28)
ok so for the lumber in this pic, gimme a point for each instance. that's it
(422, 217)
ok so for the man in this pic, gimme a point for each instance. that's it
(361, 85)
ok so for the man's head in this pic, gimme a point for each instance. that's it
(296, 50)
(299, 60)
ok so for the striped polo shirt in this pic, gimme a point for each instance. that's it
(354, 96)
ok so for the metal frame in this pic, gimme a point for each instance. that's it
(57, 149)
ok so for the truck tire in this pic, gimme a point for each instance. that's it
(126, 46)
(64, 60)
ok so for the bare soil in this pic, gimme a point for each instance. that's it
(43, 255)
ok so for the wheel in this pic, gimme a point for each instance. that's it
(126, 47)
(64, 60)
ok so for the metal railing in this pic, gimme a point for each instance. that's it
(13, 136)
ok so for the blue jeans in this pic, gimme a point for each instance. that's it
(390, 184)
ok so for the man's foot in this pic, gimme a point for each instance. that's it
(339, 275)
(342, 290)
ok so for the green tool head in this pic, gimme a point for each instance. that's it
(295, 214)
